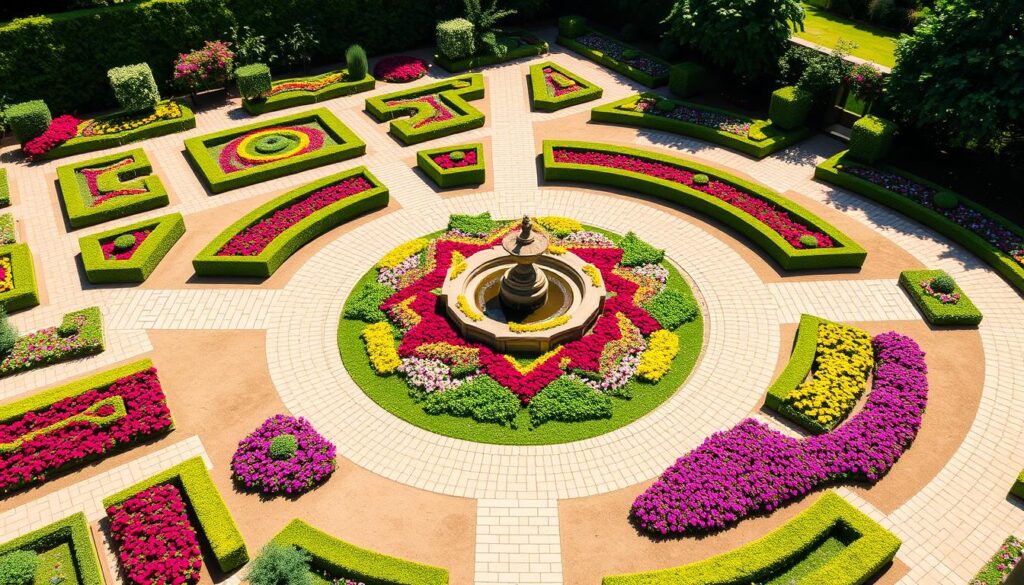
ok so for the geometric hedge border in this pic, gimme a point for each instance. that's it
(539, 98)
(454, 92)
(73, 530)
(166, 230)
(454, 177)
(24, 293)
(138, 173)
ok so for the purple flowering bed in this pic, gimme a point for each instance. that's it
(312, 463)
(752, 468)
(693, 115)
(618, 51)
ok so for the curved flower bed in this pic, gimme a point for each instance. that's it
(752, 468)
(400, 69)
(430, 111)
(155, 538)
(108, 174)
(267, 145)
(623, 53)
(686, 113)
(312, 463)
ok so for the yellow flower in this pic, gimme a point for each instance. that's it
(560, 226)
(468, 309)
(593, 273)
(380, 346)
(403, 251)
(539, 326)
(458, 265)
(656, 360)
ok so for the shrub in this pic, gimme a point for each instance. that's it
(569, 400)
(572, 26)
(865, 81)
(28, 119)
(280, 565)
(283, 446)
(481, 398)
(789, 107)
(808, 241)
(18, 567)
(125, 242)
(664, 105)
(472, 224)
(871, 138)
(455, 38)
(687, 78)
(366, 305)
(67, 329)
(204, 68)
(701, 179)
(946, 200)
(253, 80)
(134, 87)
(456, 155)
(8, 333)
(631, 54)
(943, 284)
(825, 73)
(355, 62)
(636, 252)
(672, 308)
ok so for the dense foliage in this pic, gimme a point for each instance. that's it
(280, 565)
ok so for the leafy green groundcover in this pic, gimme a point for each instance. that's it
(164, 233)
(88, 324)
(542, 99)
(616, 65)
(427, 122)
(830, 542)
(468, 175)
(962, 312)
(23, 275)
(216, 525)
(340, 143)
(136, 175)
(525, 46)
(845, 254)
(298, 96)
(336, 556)
(762, 139)
(67, 542)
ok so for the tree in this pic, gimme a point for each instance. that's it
(484, 20)
(744, 36)
(961, 73)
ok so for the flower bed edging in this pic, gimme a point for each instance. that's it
(457, 176)
(5, 189)
(88, 340)
(539, 98)
(616, 65)
(1018, 486)
(264, 264)
(24, 294)
(845, 254)
(465, 117)
(1002, 563)
(297, 98)
(165, 232)
(72, 531)
(137, 175)
(524, 50)
(935, 312)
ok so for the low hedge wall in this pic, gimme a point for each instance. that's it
(805, 347)
(166, 230)
(539, 98)
(215, 521)
(208, 263)
(291, 99)
(23, 273)
(45, 398)
(845, 254)
(1018, 486)
(963, 312)
(454, 177)
(349, 146)
(830, 171)
(456, 98)
(459, 65)
(137, 174)
(616, 65)
(72, 531)
(90, 335)
(5, 189)
(359, 564)
(775, 138)
(872, 548)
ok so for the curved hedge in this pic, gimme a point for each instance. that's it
(72, 532)
(845, 254)
(962, 312)
(868, 549)
(291, 99)
(454, 177)
(23, 273)
(166, 230)
(139, 173)
(614, 64)
(456, 98)
(208, 263)
(539, 98)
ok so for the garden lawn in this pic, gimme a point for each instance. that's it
(827, 29)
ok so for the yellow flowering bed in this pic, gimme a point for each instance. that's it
(456, 355)
(380, 345)
(540, 326)
(163, 111)
(593, 273)
(459, 265)
(403, 251)
(656, 360)
(560, 226)
(843, 360)
(556, 250)
(468, 309)
(526, 369)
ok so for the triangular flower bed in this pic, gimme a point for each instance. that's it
(553, 87)
(65, 548)
(17, 278)
(130, 253)
(452, 166)
(110, 187)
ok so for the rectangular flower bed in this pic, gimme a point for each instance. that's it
(297, 91)
(619, 56)
(8, 230)
(553, 87)
(434, 110)
(994, 239)
(1002, 563)
(110, 187)
(101, 414)
(258, 152)
(65, 550)
(259, 242)
(517, 46)
(453, 166)
(793, 236)
(134, 256)
(189, 483)
(17, 278)
(758, 138)
(79, 334)
(938, 308)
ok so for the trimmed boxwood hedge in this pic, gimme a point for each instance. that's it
(458, 65)
(1018, 486)
(349, 146)
(91, 331)
(24, 294)
(291, 99)
(616, 65)
(830, 171)
(445, 178)
(5, 189)
(775, 138)
(963, 312)
(539, 98)
(208, 263)
(872, 548)
(46, 398)
(845, 254)
(341, 558)
(216, 524)
(456, 98)
(167, 229)
(72, 531)
(137, 174)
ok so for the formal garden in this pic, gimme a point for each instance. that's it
(404, 293)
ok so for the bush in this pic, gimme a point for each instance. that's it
(946, 200)
(280, 565)
(472, 224)
(481, 398)
(871, 138)
(253, 80)
(962, 312)
(8, 333)
(205, 68)
(825, 73)
(67, 329)
(701, 179)
(455, 38)
(943, 284)
(28, 119)
(789, 107)
(671, 308)
(355, 62)
(134, 87)
(636, 252)
(569, 400)
(664, 105)
(366, 305)
(283, 446)
(125, 242)
(572, 26)
(687, 78)
(18, 567)
(808, 241)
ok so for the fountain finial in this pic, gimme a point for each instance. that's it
(525, 230)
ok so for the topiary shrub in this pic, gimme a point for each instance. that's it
(943, 284)
(66, 330)
(134, 87)
(280, 565)
(808, 241)
(18, 567)
(701, 179)
(789, 107)
(253, 80)
(456, 155)
(572, 26)
(355, 62)
(871, 138)
(636, 252)
(28, 119)
(283, 446)
(946, 200)
(8, 333)
(687, 78)
(455, 38)
(672, 308)
(664, 105)
(124, 243)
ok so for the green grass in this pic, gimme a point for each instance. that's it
(827, 29)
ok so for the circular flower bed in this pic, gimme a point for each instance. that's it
(260, 463)
(400, 69)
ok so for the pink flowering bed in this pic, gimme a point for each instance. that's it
(438, 110)
(559, 84)
(753, 468)
(91, 178)
(47, 346)
(253, 466)
(266, 145)
(111, 253)
(444, 160)
(693, 115)
(61, 129)
(400, 69)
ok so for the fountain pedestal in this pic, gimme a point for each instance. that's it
(523, 287)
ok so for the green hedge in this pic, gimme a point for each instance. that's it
(616, 65)
(215, 522)
(72, 531)
(28, 119)
(344, 559)
(455, 38)
(539, 98)
(963, 312)
(872, 548)
(789, 107)
(871, 139)
(291, 99)
(830, 171)
(253, 80)
(1018, 486)
(208, 263)
(24, 294)
(167, 229)
(775, 138)
(91, 331)
(476, 61)
(5, 189)
(845, 254)
(139, 174)
(134, 87)
(687, 79)
(349, 146)
(445, 178)
(466, 116)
